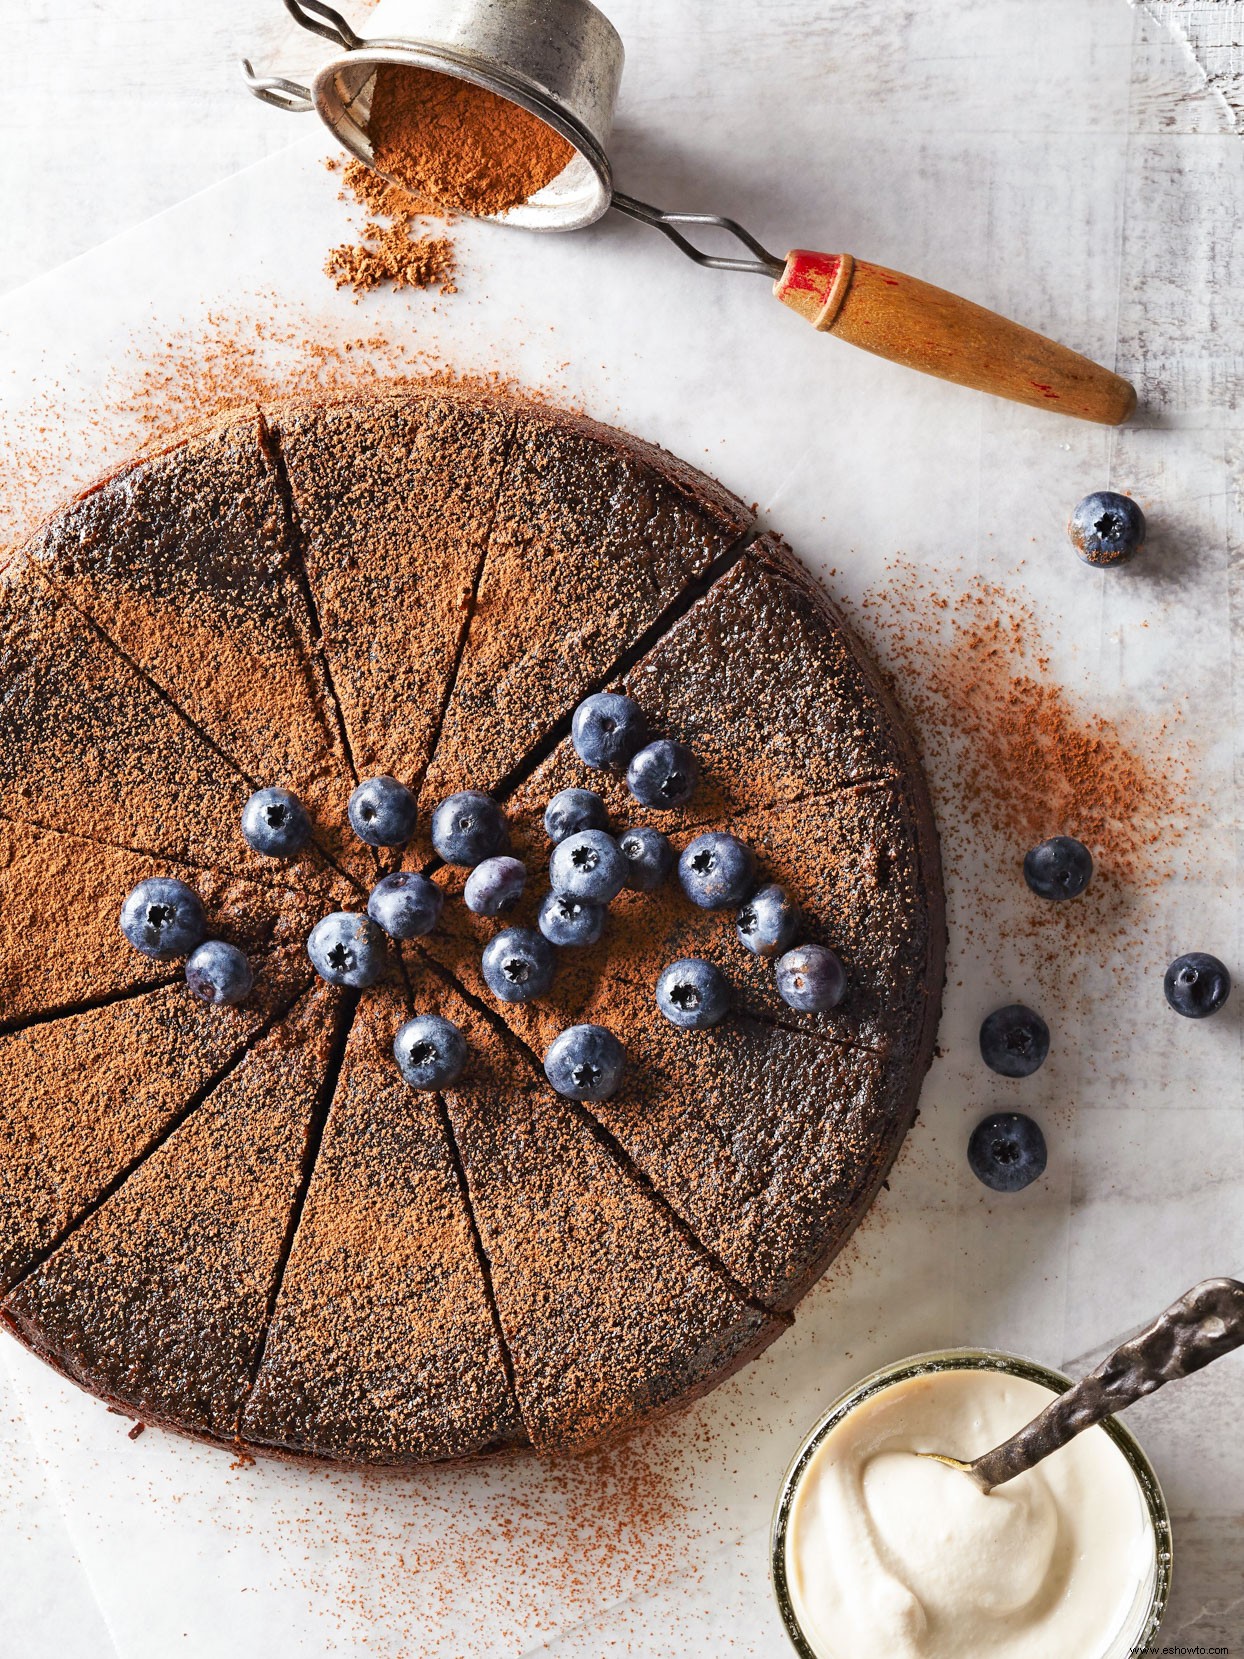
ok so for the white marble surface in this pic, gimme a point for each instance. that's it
(1070, 162)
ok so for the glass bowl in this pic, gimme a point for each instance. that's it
(1149, 1605)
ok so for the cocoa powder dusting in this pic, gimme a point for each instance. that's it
(1028, 761)
(459, 148)
(1015, 756)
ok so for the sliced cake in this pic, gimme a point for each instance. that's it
(383, 1347)
(85, 1097)
(394, 501)
(60, 904)
(593, 541)
(90, 748)
(185, 561)
(158, 1301)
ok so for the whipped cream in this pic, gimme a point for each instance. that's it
(894, 1556)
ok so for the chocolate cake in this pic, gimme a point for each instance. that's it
(242, 1222)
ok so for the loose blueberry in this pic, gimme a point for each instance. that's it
(574, 810)
(663, 775)
(649, 858)
(219, 974)
(1058, 868)
(430, 1052)
(1014, 1041)
(589, 866)
(810, 978)
(585, 1062)
(467, 828)
(769, 921)
(382, 812)
(163, 918)
(693, 994)
(275, 823)
(716, 871)
(1197, 985)
(347, 949)
(567, 921)
(518, 964)
(495, 885)
(406, 905)
(1106, 528)
(606, 731)
(1007, 1152)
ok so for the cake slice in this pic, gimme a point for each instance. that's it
(394, 499)
(60, 907)
(157, 1302)
(609, 1309)
(595, 537)
(83, 1098)
(769, 1133)
(383, 1347)
(90, 748)
(184, 560)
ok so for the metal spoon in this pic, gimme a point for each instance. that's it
(1201, 1326)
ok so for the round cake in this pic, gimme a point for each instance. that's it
(241, 1222)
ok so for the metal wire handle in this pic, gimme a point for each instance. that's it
(332, 26)
(277, 91)
(764, 264)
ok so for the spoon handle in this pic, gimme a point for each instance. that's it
(1201, 1326)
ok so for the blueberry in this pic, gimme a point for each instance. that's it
(163, 918)
(219, 974)
(693, 994)
(606, 731)
(347, 949)
(518, 964)
(768, 921)
(430, 1052)
(495, 885)
(406, 905)
(585, 1062)
(275, 823)
(1197, 985)
(1007, 1152)
(588, 865)
(1014, 1041)
(1059, 868)
(1106, 528)
(716, 871)
(811, 979)
(663, 775)
(649, 858)
(567, 921)
(467, 828)
(574, 810)
(382, 812)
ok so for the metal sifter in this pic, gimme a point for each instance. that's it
(562, 61)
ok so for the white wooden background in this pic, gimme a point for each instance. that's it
(926, 122)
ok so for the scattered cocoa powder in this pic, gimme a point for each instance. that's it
(459, 148)
(63, 438)
(1014, 756)
(392, 253)
(1027, 761)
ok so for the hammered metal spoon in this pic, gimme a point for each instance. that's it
(1200, 1327)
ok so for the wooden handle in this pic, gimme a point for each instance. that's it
(926, 328)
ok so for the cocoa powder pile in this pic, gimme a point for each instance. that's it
(459, 148)
(389, 249)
